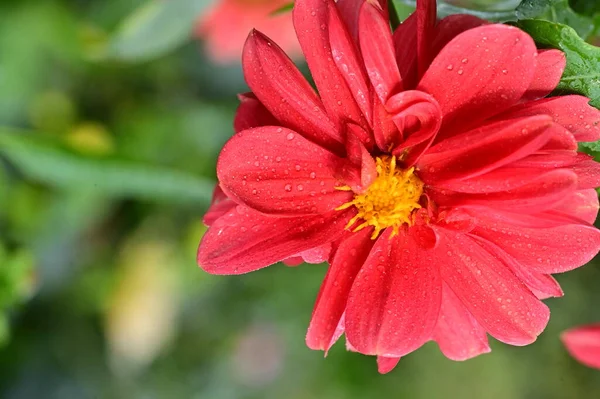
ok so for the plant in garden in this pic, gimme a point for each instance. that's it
(583, 343)
(430, 171)
(225, 26)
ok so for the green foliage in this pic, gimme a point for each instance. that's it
(16, 281)
(557, 11)
(47, 163)
(155, 28)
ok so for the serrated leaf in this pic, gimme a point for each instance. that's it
(49, 164)
(155, 28)
(582, 73)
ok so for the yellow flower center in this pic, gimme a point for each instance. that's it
(390, 199)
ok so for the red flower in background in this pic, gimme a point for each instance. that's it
(583, 343)
(225, 27)
(429, 171)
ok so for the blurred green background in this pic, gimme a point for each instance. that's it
(111, 119)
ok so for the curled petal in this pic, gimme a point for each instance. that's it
(275, 170)
(244, 240)
(395, 299)
(282, 89)
(418, 117)
(480, 73)
(583, 343)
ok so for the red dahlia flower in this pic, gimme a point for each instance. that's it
(429, 171)
(583, 343)
(225, 27)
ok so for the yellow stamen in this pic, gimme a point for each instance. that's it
(390, 199)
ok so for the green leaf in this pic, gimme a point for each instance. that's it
(154, 29)
(555, 11)
(445, 9)
(49, 164)
(582, 73)
(587, 7)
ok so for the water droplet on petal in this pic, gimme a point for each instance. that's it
(288, 187)
(450, 67)
(290, 136)
(465, 60)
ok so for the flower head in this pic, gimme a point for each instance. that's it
(583, 343)
(225, 27)
(429, 171)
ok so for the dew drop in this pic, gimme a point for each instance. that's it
(313, 175)
(460, 72)
(300, 187)
(465, 60)
(450, 67)
(288, 187)
(298, 167)
(278, 159)
(290, 136)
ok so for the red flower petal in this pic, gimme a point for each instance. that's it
(457, 333)
(499, 301)
(244, 240)
(378, 52)
(394, 302)
(349, 63)
(542, 285)
(219, 206)
(331, 301)
(583, 343)
(386, 364)
(426, 20)
(582, 205)
(450, 27)
(481, 150)
(572, 112)
(480, 73)
(405, 42)
(418, 117)
(275, 170)
(548, 71)
(282, 89)
(588, 173)
(310, 20)
(543, 193)
(502, 179)
(546, 249)
(251, 113)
